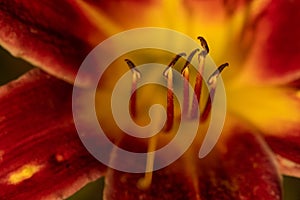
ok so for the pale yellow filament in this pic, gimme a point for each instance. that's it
(145, 182)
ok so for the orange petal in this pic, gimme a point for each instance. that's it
(41, 155)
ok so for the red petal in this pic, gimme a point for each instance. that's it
(288, 167)
(52, 35)
(251, 167)
(277, 52)
(245, 168)
(242, 167)
(287, 146)
(41, 155)
(275, 111)
(56, 36)
(283, 46)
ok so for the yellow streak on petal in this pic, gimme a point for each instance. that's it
(23, 173)
(98, 18)
(174, 14)
(273, 110)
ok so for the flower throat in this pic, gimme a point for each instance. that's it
(189, 110)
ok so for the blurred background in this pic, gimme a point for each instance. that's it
(11, 68)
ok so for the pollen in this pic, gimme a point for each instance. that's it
(23, 173)
(59, 158)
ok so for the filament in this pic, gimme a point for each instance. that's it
(145, 182)
(185, 73)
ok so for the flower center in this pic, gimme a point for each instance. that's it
(195, 106)
(188, 112)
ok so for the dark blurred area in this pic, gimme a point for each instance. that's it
(11, 67)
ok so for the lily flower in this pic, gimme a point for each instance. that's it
(41, 155)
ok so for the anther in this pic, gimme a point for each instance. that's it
(189, 60)
(216, 73)
(130, 64)
(203, 44)
(173, 62)
(133, 68)
(136, 74)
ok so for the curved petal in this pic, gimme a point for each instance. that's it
(288, 167)
(287, 148)
(53, 35)
(41, 156)
(276, 53)
(241, 167)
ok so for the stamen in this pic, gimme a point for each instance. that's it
(198, 83)
(212, 82)
(185, 73)
(168, 73)
(136, 74)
